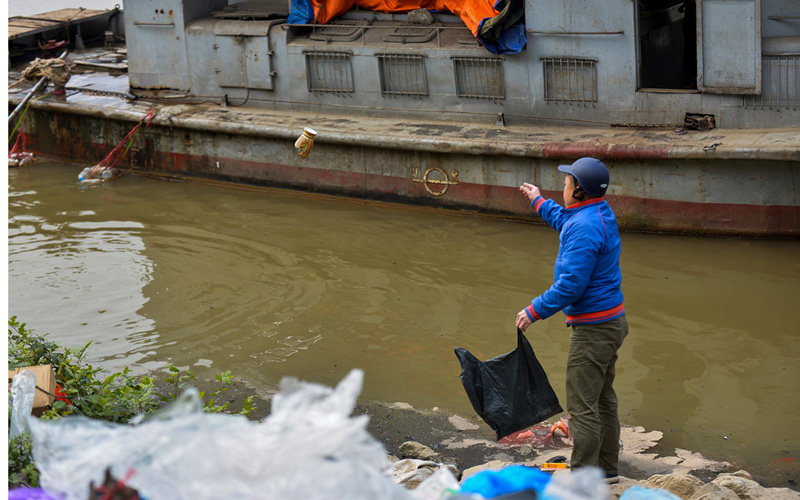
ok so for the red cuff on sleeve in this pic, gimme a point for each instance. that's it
(532, 315)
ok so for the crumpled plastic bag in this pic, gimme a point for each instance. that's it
(23, 392)
(412, 471)
(641, 493)
(510, 392)
(442, 484)
(585, 483)
(308, 448)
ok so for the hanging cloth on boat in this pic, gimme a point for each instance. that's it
(503, 33)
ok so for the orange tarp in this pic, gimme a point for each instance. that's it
(499, 31)
(472, 13)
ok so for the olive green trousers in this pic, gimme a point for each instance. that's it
(591, 400)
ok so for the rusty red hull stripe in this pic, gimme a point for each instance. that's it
(633, 212)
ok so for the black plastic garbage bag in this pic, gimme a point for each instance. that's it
(510, 392)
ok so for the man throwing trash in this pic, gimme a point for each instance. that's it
(586, 287)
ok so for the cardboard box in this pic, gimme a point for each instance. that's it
(45, 385)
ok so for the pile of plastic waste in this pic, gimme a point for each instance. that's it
(20, 159)
(308, 448)
(97, 173)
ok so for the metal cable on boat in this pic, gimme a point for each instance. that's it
(105, 93)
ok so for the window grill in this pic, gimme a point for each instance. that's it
(402, 75)
(780, 83)
(479, 77)
(570, 79)
(329, 72)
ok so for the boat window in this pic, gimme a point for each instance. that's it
(402, 74)
(329, 72)
(667, 44)
(570, 79)
(479, 77)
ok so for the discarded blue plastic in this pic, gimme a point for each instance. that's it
(642, 493)
(511, 479)
(585, 483)
(29, 494)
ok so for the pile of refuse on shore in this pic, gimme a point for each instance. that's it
(309, 447)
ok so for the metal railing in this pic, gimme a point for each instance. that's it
(780, 83)
(393, 27)
(571, 33)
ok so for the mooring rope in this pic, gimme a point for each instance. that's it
(55, 70)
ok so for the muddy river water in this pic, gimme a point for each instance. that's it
(268, 283)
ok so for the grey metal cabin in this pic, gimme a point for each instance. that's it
(645, 62)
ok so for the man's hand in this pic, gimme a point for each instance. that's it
(530, 191)
(523, 322)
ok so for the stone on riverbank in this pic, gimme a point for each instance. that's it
(683, 485)
(727, 486)
(713, 491)
(413, 449)
(747, 489)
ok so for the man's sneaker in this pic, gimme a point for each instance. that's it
(612, 478)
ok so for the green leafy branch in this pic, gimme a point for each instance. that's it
(177, 381)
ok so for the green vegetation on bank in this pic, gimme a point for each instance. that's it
(117, 397)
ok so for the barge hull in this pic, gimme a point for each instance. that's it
(633, 213)
(659, 182)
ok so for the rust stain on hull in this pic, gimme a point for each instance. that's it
(634, 213)
(558, 150)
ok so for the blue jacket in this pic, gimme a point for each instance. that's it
(587, 277)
